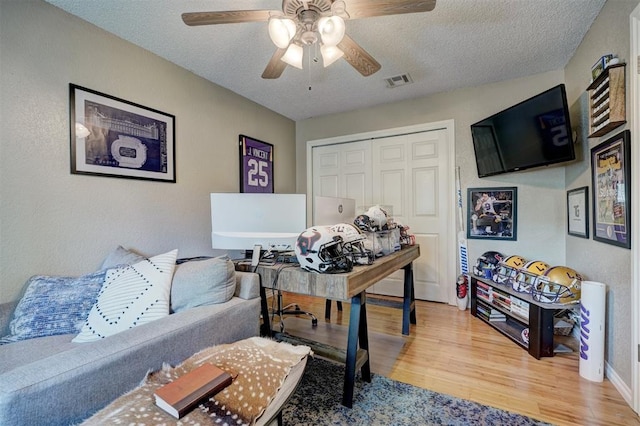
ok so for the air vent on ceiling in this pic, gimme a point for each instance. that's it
(398, 80)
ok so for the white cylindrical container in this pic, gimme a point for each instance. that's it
(592, 321)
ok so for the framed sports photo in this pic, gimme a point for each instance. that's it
(492, 213)
(256, 165)
(611, 185)
(117, 138)
(578, 212)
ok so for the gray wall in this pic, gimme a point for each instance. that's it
(53, 222)
(599, 261)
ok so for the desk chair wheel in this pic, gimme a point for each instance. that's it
(292, 309)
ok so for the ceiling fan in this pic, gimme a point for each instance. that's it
(307, 22)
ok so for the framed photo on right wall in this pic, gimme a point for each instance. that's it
(611, 183)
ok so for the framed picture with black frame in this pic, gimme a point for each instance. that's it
(117, 138)
(611, 186)
(492, 213)
(256, 165)
(578, 212)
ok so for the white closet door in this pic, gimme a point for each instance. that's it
(343, 170)
(410, 174)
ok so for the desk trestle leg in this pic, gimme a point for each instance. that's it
(357, 334)
(409, 300)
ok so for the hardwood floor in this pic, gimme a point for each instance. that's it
(451, 352)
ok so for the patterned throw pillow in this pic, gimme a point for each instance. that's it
(54, 305)
(131, 295)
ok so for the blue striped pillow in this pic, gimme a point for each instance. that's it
(54, 305)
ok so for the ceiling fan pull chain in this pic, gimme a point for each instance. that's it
(309, 67)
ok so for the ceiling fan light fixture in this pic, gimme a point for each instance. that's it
(281, 30)
(293, 56)
(331, 29)
(330, 54)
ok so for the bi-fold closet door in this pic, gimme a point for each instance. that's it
(411, 173)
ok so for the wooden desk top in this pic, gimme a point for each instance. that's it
(343, 287)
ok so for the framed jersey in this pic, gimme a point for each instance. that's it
(492, 213)
(256, 165)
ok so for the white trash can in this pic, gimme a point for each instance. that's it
(592, 321)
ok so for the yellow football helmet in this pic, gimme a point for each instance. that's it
(559, 284)
(507, 269)
(526, 276)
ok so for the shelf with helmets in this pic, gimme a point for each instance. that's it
(521, 298)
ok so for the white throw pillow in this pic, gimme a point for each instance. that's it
(131, 295)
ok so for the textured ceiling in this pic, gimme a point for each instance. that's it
(460, 43)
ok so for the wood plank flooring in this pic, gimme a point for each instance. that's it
(451, 352)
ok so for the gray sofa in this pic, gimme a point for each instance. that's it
(54, 381)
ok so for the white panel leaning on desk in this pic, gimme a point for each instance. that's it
(346, 287)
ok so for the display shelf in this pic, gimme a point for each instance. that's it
(607, 101)
(538, 318)
(509, 326)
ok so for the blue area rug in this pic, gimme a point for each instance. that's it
(383, 402)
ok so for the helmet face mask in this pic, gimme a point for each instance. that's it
(353, 244)
(319, 249)
(527, 275)
(363, 222)
(508, 269)
(559, 284)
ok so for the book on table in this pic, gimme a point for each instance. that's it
(183, 394)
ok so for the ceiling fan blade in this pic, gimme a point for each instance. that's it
(275, 67)
(366, 8)
(364, 63)
(225, 17)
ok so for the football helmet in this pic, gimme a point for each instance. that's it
(559, 284)
(353, 243)
(405, 237)
(526, 276)
(319, 249)
(507, 269)
(378, 217)
(363, 223)
(489, 260)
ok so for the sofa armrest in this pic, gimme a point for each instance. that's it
(247, 285)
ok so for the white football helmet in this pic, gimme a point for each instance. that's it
(353, 243)
(378, 217)
(319, 249)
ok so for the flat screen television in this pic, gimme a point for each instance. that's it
(536, 132)
(239, 221)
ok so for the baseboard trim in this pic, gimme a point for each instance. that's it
(619, 384)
